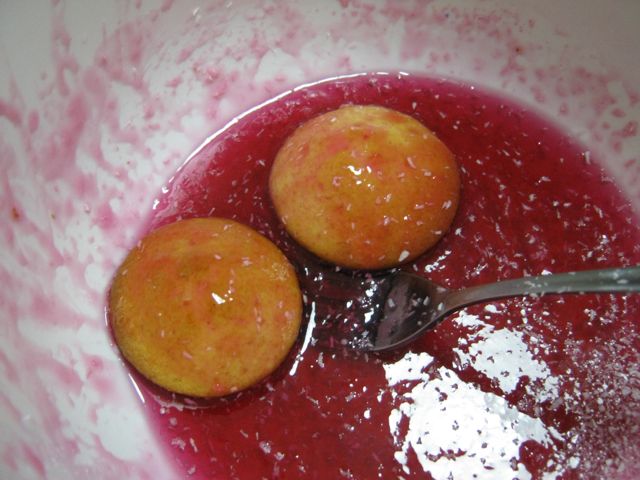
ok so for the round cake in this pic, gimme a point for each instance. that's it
(365, 187)
(205, 307)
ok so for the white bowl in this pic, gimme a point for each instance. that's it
(101, 102)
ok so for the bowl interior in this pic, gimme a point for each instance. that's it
(101, 104)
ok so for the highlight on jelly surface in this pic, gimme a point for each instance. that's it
(365, 187)
(205, 307)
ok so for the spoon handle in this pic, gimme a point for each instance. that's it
(609, 280)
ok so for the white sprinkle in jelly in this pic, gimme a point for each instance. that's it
(403, 255)
(178, 442)
(265, 447)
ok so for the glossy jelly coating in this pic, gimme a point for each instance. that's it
(205, 307)
(365, 187)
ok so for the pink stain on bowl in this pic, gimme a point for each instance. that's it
(88, 139)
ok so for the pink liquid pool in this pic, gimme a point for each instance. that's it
(540, 385)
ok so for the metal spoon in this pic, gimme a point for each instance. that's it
(393, 310)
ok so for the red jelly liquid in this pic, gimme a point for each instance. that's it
(519, 388)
